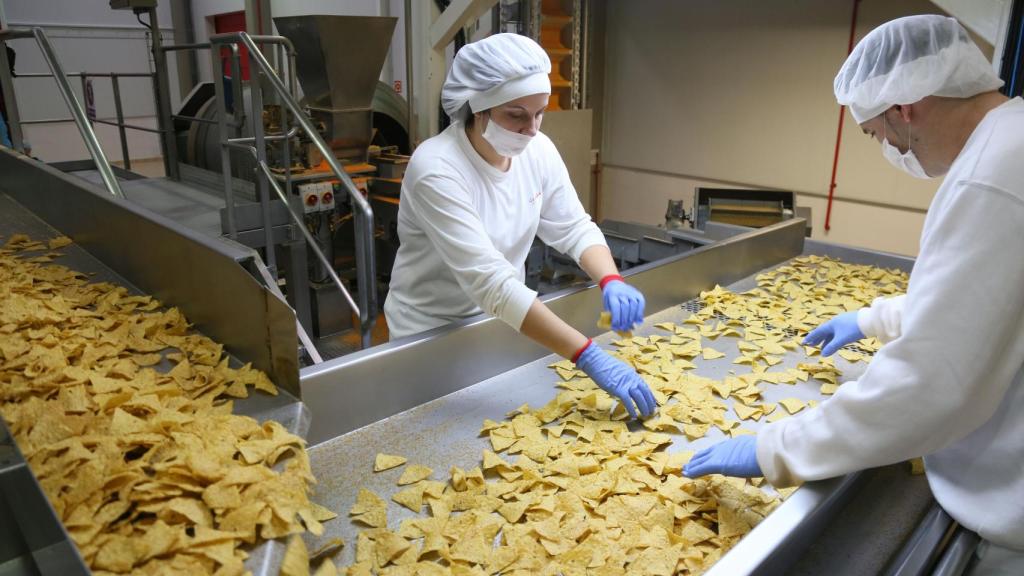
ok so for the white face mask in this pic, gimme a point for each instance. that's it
(907, 162)
(505, 142)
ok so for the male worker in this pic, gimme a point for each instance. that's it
(948, 382)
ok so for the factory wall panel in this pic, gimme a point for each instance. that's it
(741, 92)
(88, 36)
(570, 130)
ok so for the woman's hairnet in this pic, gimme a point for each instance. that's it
(908, 59)
(493, 71)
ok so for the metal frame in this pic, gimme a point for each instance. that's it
(364, 224)
(64, 87)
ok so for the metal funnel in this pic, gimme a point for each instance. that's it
(339, 57)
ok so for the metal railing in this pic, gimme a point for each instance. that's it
(64, 87)
(364, 225)
(115, 84)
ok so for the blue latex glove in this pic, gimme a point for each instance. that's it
(734, 457)
(835, 333)
(625, 303)
(617, 379)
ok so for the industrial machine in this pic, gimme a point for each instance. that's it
(751, 208)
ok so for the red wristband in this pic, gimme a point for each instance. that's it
(579, 352)
(610, 278)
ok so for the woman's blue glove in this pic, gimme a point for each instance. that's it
(733, 457)
(835, 333)
(617, 379)
(625, 303)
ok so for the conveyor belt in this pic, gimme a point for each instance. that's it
(444, 432)
(285, 408)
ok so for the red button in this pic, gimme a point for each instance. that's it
(328, 197)
(311, 200)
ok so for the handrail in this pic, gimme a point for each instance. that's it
(364, 224)
(77, 112)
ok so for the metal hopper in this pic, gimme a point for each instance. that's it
(339, 59)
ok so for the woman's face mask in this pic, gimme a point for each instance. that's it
(505, 142)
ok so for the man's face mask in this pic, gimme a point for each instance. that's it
(907, 162)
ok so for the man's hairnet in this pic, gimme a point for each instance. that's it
(908, 59)
(493, 71)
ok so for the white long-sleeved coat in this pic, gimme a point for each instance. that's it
(466, 229)
(950, 383)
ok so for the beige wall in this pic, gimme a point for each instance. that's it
(739, 94)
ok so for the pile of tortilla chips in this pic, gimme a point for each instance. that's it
(149, 470)
(577, 492)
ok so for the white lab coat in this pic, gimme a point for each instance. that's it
(950, 384)
(466, 229)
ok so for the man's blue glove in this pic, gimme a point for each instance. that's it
(835, 333)
(734, 457)
(625, 303)
(617, 379)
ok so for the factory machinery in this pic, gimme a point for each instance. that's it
(425, 396)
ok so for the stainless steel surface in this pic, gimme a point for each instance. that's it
(443, 431)
(870, 529)
(32, 538)
(77, 112)
(373, 384)
(205, 277)
(365, 257)
(958, 554)
(339, 57)
(339, 62)
(920, 552)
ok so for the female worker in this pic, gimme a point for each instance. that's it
(474, 197)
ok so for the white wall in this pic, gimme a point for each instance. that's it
(87, 36)
(739, 94)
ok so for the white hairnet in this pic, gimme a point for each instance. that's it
(493, 71)
(908, 59)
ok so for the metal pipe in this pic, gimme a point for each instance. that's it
(256, 98)
(292, 132)
(162, 93)
(222, 131)
(125, 157)
(365, 259)
(193, 119)
(77, 112)
(45, 121)
(130, 126)
(410, 114)
(90, 74)
(238, 106)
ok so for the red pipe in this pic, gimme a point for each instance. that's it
(839, 133)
